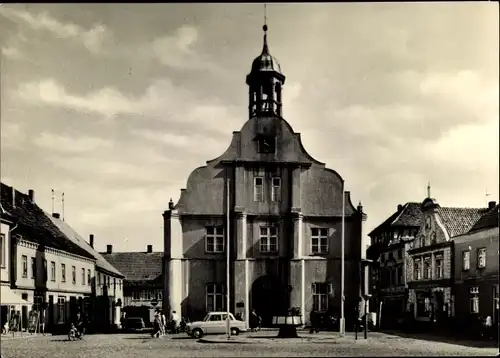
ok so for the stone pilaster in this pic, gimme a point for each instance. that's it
(173, 254)
(296, 195)
(241, 278)
(298, 243)
(241, 235)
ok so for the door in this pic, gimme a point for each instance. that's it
(268, 297)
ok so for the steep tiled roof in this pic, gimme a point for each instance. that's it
(409, 215)
(34, 225)
(137, 266)
(488, 220)
(459, 220)
(78, 240)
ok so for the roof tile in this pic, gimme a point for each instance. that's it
(137, 266)
(459, 221)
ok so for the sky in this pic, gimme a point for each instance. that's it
(115, 104)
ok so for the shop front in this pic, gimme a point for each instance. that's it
(431, 302)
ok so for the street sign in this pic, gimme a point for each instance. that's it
(154, 302)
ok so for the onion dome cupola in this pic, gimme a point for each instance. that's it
(265, 82)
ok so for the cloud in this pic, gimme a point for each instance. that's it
(12, 135)
(11, 52)
(93, 38)
(58, 142)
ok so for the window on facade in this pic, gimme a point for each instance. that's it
(83, 276)
(114, 284)
(417, 270)
(24, 263)
(33, 267)
(474, 299)
(400, 275)
(269, 239)
(423, 305)
(465, 260)
(321, 292)
(73, 274)
(136, 295)
(215, 297)
(37, 303)
(433, 238)
(52, 271)
(439, 267)
(2, 250)
(319, 240)
(276, 189)
(481, 258)
(63, 273)
(99, 279)
(61, 309)
(427, 269)
(496, 306)
(258, 189)
(214, 239)
(159, 295)
(89, 278)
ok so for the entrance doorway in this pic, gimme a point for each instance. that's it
(268, 298)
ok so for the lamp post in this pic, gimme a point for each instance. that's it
(342, 271)
(228, 262)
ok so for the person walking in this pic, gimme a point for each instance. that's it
(255, 321)
(156, 325)
(163, 323)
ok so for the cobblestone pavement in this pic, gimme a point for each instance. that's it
(245, 345)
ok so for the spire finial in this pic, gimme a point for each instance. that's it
(429, 189)
(265, 49)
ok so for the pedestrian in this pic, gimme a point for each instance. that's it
(314, 318)
(174, 318)
(488, 327)
(156, 325)
(255, 321)
(163, 323)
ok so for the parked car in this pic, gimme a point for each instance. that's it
(134, 324)
(215, 323)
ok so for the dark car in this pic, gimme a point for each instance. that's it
(134, 324)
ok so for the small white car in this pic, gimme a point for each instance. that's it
(215, 323)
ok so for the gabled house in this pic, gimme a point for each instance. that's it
(431, 264)
(143, 283)
(390, 242)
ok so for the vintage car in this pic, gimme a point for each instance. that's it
(215, 323)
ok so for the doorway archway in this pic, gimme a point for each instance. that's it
(268, 298)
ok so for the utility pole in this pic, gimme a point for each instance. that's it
(342, 269)
(228, 261)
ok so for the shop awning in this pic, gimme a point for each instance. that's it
(9, 298)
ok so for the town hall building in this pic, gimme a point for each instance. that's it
(285, 212)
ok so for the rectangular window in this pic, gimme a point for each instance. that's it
(24, 263)
(52, 271)
(427, 269)
(63, 273)
(114, 284)
(276, 189)
(269, 239)
(83, 276)
(2, 250)
(439, 268)
(481, 258)
(45, 271)
(89, 277)
(214, 239)
(136, 295)
(417, 270)
(73, 274)
(215, 297)
(61, 309)
(321, 291)
(33, 267)
(319, 240)
(258, 189)
(465, 260)
(400, 275)
(474, 299)
(99, 279)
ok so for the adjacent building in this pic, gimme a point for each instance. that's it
(390, 242)
(476, 269)
(143, 285)
(285, 210)
(44, 266)
(106, 284)
(431, 265)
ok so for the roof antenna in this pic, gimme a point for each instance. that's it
(62, 199)
(53, 198)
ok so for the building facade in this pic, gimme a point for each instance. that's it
(476, 269)
(430, 269)
(390, 242)
(143, 283)
(106, 283)
(285, 212)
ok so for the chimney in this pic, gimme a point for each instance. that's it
(91, 240)
(150, 249)
(31, 194)
(13, 197)
(171, 204)
(109, 249)
(56, 215)
(400, 207)
(492, 204)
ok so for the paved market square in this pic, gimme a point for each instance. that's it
(247, 345)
